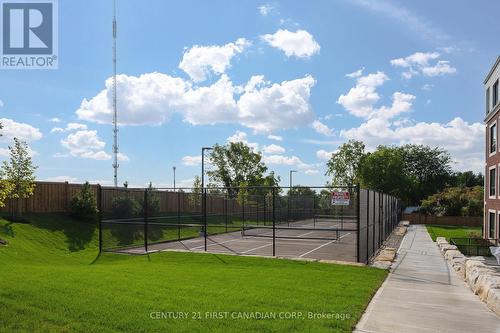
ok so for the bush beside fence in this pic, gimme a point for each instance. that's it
(469, 221)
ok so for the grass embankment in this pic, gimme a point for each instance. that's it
(451, 231)
(51, 280)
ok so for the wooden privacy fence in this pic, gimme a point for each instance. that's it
(469, 221)
(48, 197)
(55, 197)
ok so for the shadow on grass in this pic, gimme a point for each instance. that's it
(78, 234)
(6, 229)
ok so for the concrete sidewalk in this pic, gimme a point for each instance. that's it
(422, 294)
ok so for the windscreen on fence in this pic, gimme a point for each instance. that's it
(338, 223)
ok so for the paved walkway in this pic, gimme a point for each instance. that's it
(422, 294)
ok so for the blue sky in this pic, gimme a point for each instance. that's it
(292, 79)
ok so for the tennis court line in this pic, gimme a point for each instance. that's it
(256, 248)
(319, 247)
(218, 243)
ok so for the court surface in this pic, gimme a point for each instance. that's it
(302, 242)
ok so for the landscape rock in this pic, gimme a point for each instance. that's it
(383, 264)
(400, 231)
(493, 300)
(387, 254)
(458, 264)
(472, 274)
(404, 223)
(3, 242)
(450, 254)
(484, 283)
(446, 247)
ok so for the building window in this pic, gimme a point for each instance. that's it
(495, 93)
(491, 223)
(493, 138)
(488, 100)
(493, 182)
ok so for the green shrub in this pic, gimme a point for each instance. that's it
(124, 207)
(455, 201)
(84, 205)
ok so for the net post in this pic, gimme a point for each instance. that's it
(146, 211)
(358, 199)
(99, 214)
(274, 221)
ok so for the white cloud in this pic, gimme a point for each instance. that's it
(1, 103)
(324, 155)
(311, 171)
(191, 160)
(85, 144)
(273, 149)
(278, 106)
(199, 61)
(408, 19)
(265, 9)
(68, 179)
(420, 63)
(55, 120)
(321, 128)
(69, 127)
(275, 137)
(147, 99)
(427, 87)
(153, 98)
(12, 129)
(359, 101)
(300, 44)
(240, 136)
(356, 74)
(210, 105)
(288, 161)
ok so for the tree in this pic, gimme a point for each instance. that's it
(83, 204)
(195, 195)
(467, 179)
(20, 173)
(430, 167)
(236, 164)
(455, 201)
(384, 170)
(344, 164)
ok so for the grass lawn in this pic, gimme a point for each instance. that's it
(450, 231)
(51, 280)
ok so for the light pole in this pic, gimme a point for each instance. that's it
(204, 196)
(173, 168)
(290, 194)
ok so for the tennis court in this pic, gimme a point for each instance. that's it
(302, 239)
(264, 221)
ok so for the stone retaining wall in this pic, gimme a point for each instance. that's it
(483, 280)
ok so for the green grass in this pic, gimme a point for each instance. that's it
(51, 280)
(450, 231)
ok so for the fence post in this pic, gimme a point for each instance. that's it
(205, 231)
(99, 214)
(367, 224)
(274, 221)
(358, 199)
(374, 219)
(146, 212)
(225, 209)
(178, 215)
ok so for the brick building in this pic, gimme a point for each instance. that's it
(492, 166)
